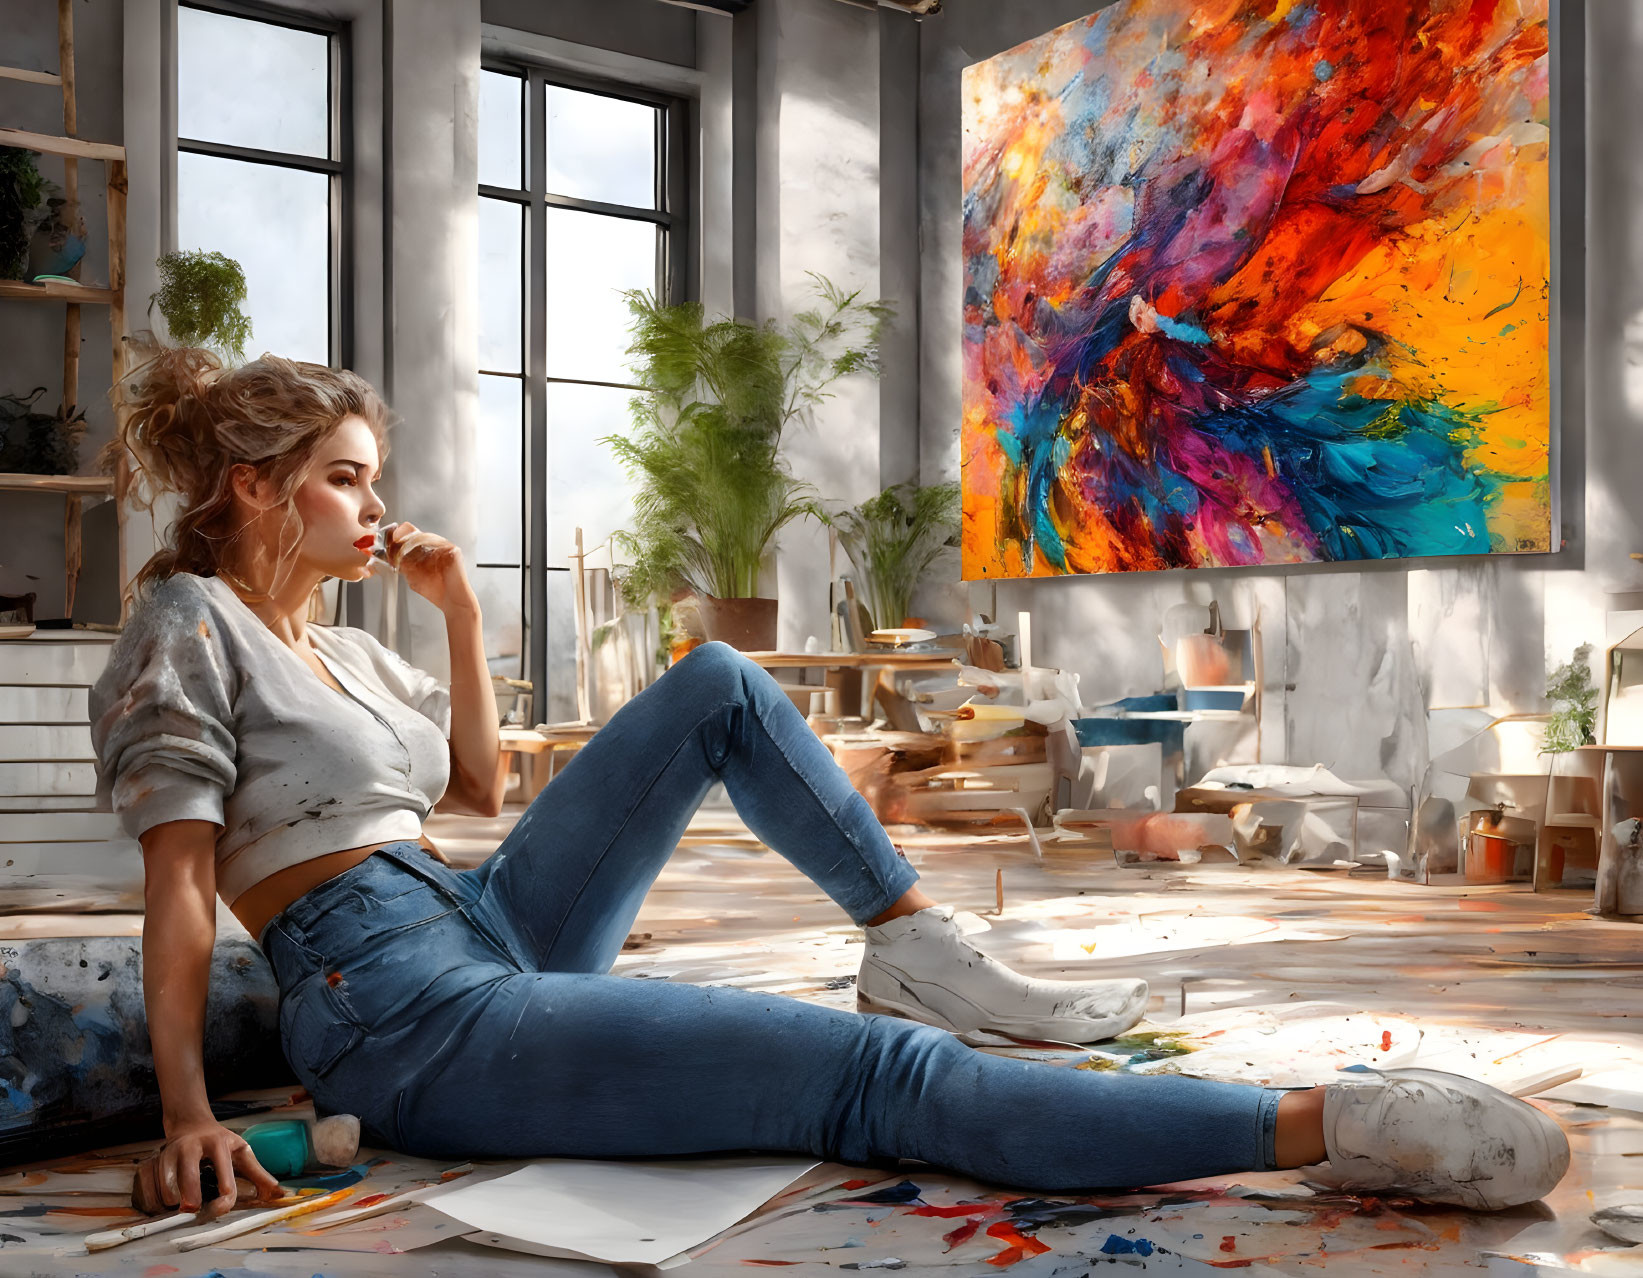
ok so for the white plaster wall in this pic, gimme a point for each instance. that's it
(1355, 657)
(818, 200)
(431, 51)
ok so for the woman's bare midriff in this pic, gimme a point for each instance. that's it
(262, 901)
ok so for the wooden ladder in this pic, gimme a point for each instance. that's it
(73, 149)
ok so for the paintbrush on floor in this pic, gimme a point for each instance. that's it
(257, 1220)
(107, 1238)
(403, 1199)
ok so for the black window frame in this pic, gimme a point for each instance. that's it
(675, 276)
(338, 167)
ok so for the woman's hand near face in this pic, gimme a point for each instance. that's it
(431, 566)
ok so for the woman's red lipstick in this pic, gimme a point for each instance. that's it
(365, 542)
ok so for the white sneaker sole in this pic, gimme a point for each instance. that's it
(1065, 1029)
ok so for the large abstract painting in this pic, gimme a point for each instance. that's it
(1258, 282)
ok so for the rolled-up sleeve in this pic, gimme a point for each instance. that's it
(162, 717)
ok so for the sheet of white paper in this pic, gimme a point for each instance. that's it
(564, 1258)
(1616, 1089)
(621, 1212)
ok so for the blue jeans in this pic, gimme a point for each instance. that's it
(471, 1013)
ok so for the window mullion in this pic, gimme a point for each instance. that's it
(536, 393)
(321, 181)
(257, 155)
(342, 213)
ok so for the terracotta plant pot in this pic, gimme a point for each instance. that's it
(748, 625)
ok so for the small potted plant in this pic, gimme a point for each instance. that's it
(892, 540)
(200, 295)
(36, 443)
(21, 190)
(1573, 721)
(713, 489)
(59, 240)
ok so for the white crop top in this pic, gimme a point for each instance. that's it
(205, 715)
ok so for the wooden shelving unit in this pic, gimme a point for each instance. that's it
(30, 77)
(73, 149)
(57, 291)
(94, 485)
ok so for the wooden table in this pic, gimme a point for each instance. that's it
(871, 665)
(566, 739)
(529, 743)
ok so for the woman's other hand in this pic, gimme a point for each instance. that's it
(431, 566)
(172, 1176)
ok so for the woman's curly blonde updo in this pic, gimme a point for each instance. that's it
(186, 419)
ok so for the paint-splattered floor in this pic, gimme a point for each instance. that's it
(1275, 975)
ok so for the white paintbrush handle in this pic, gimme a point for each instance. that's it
(256, 1221)
(114, 1237)
(360, 1213)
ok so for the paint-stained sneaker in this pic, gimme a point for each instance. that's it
(923, 968)
(1441, 1137)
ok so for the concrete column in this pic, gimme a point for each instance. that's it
(899, 143)
(716, 230)
(431, 54)
(818, 208)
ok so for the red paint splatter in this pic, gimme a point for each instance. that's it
(949, 1212)
(962, 1234)
(372, 1200)
(855, 1184)
(1386, 1041)
(771, 1262)
(1020, 1246)
(1229, 1242)
(334, 979)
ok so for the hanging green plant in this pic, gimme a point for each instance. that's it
(200, 295)
(1573, 721)
(21, 191)
(892, 540)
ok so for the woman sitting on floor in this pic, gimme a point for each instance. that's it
(288, 767)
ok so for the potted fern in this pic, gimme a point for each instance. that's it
(892, 540)
(200, 295)
(713, 489)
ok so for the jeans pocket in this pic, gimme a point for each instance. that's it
(316, 1029)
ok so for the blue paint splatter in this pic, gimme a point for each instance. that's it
(1116, 1246)
(902, 1194)
(1324, 70)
